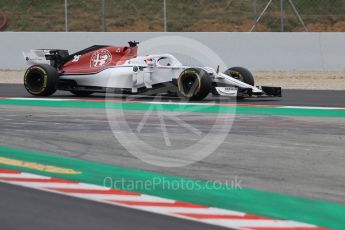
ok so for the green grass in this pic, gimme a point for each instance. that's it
(183, 15)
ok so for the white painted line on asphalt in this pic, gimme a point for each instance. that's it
(185, 103)
(311, 107)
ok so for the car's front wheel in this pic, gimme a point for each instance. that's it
(241, 74)
(194, 83)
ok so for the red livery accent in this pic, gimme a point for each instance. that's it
(99, 59)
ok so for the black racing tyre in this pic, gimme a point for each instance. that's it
(41, 80)
(241, 74)
(81, 93)
(194, 84)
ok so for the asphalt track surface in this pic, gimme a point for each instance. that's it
(293, 155)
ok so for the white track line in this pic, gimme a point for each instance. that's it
(186, 103)
(311, 107)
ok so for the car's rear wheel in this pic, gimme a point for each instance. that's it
(41, 80)
(194, 83)
(81, 93)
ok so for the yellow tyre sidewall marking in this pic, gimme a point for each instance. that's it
(45, 77)
(180, 85)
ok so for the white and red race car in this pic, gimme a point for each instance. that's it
(118, 69)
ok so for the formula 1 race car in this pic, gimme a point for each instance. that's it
(102, 68)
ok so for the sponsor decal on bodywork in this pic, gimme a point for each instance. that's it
(227, 91)
(100, 58)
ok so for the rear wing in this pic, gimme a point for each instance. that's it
(53, 57)
(36, 57)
